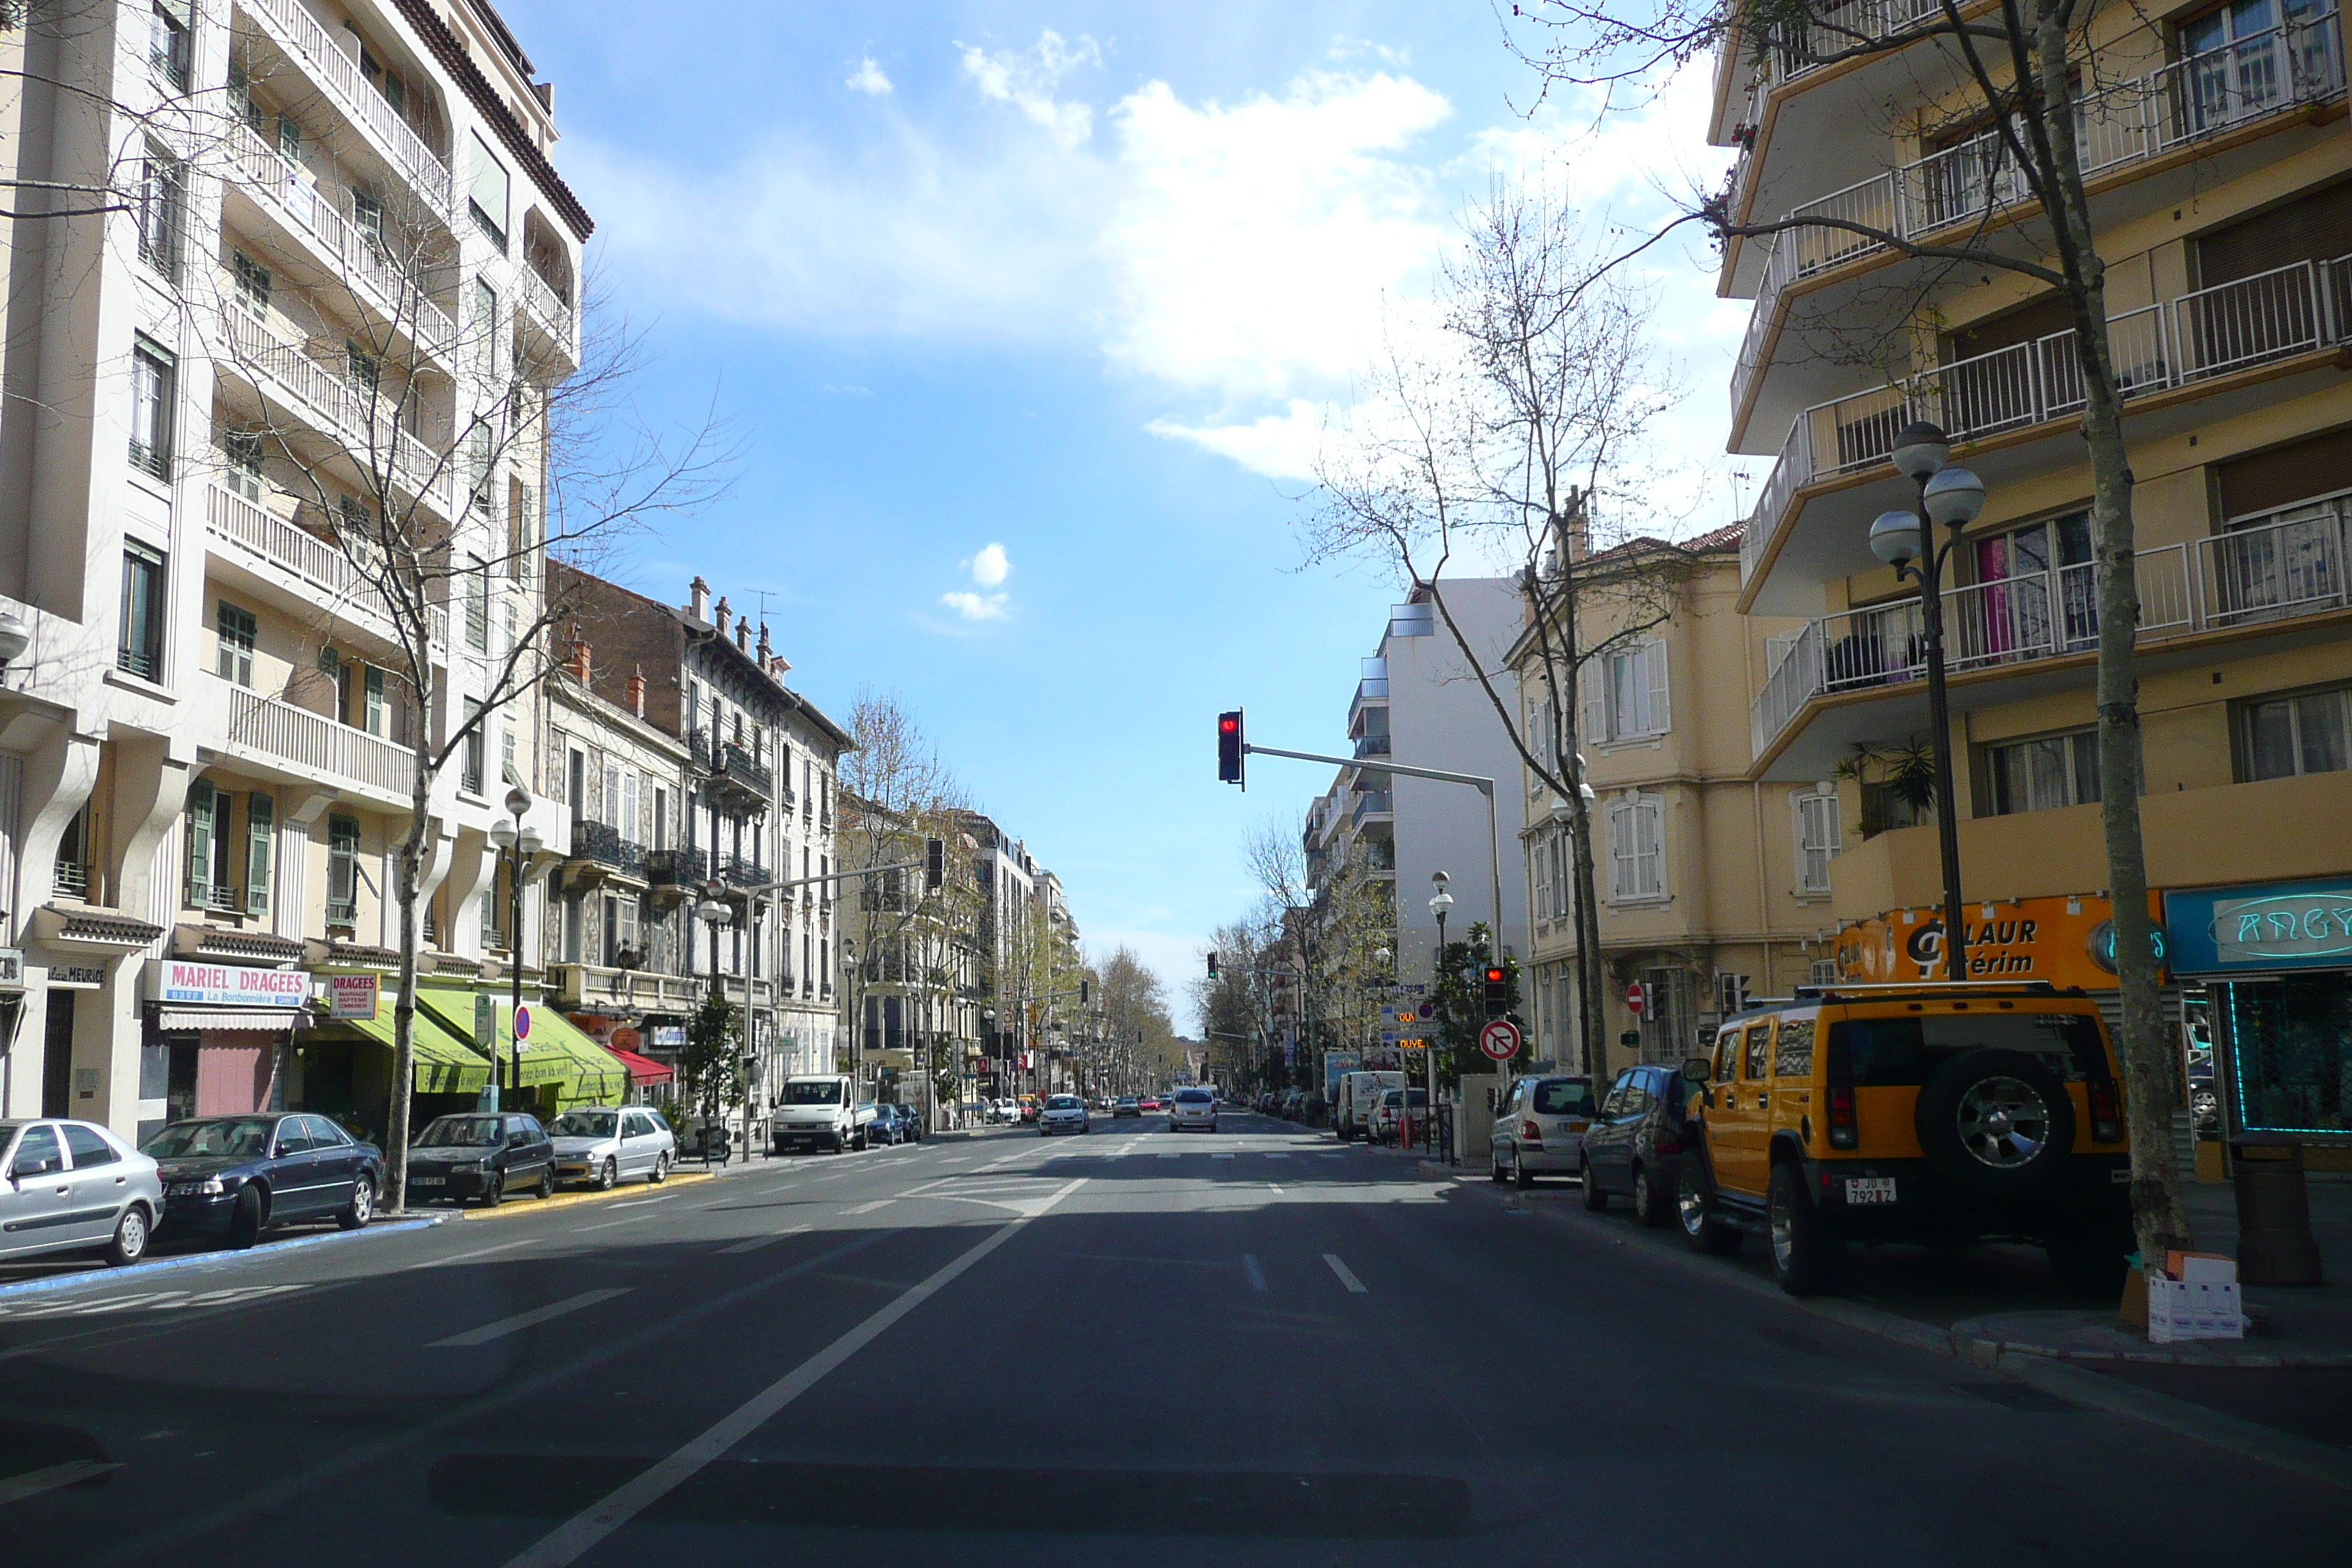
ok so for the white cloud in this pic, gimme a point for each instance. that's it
(1027, 81)
(868, 79)
(977, 606)
(990, 567)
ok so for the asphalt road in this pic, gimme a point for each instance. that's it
(1133, 1346)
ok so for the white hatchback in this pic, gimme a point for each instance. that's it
(1192, 1108)
(1063, 1113)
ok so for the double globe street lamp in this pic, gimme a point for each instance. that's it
(1952, 495)
(517, 842)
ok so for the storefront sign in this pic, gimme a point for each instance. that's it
(227, 985)
(1336, 1064)
(2277, 925)
(669, 1037)
(77, 976)
(12, 969)
(352, 995)
(2062, 940)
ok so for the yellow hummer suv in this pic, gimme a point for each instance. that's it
(1939, 1113)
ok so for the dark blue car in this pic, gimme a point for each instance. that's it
(236, 1176)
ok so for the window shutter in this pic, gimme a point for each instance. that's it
(260, 829)
(1621, 851)
(1649, 815)
(488, 190)
(201, 807)
(1660, 715)
(1593, 676)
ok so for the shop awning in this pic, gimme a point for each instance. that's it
(557, 1053)
(445, 1064)
(271, 1019)
(643, 1070)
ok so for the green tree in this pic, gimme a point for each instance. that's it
(1460, 997)
(710, 1068)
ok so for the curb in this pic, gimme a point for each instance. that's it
(2075, 1383)
(1983, 1350)
(217, 1258)
(569, 1200)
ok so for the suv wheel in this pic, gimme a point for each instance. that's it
(1695, 1206)
(1996, 1123)
(1807, 1253)
(1649, 1203)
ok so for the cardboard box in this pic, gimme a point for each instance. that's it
(2193, 1309)
(2135, 1304)
(2202, 1267)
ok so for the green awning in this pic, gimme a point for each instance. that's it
(557, 1053)
(443, 1064)
(596, 1073)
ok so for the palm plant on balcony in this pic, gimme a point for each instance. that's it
(2029, 74)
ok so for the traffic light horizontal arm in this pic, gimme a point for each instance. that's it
(1487, 785)
(835, 875)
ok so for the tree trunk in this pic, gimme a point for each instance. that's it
(404, 1006)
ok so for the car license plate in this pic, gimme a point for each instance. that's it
(1578, 1126)
(1870, 1189)
(428, 1181)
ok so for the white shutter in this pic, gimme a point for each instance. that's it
(1593, 676)
(1621, 850)
(1817, 840)
(1648, 814)
(629, 823)
(1659, 716)
(1542, 869)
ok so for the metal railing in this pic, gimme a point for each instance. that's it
(340, 74)
(2234, 326)
(2131, 121)
(2293, 566)
(336, 406)
(316, 745)
(601, 842)
(547, 302)
(1372, 802)
(220, 897)
(317, 564)
(71, 880)
(675, 868)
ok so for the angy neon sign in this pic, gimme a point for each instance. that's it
(2283, 926)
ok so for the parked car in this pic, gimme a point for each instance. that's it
(1352, 1099)
(911, 1119)
(1126, 1105)
(1635, 1143)
(1539, 1124)
(236, 1176)
(481, 1154)
(1192, 1108)
(74, 1186)
(1062, 1113)
(601, 1145)
(1028, 1108)
(885, 1129)
(1293, 1104)
(1393, 1105)
(1941, 1113)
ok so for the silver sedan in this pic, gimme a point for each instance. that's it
(602, 1145)
(74, 1186)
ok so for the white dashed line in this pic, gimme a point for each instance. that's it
(522, 1320)
(1250, 1268)
(758, 1242)
(869, 1209)
(1347, 1275)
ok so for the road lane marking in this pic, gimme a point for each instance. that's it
(758, 1242)
(1221, 1156)
(1250, 1268)
(869, 1209)
(1276, 1155)
(32, 1483)
(477, 1252)
(522, 1320)
(568, 1542)
(1347, 1275)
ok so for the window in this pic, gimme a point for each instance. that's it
(154, 389)
(261, 824)
(207, 833)
(289, 138)
(171, 30)
(627, 821)
(240, 93)
(1793, 1055)
(2284, 736)
(235, 630)
(2234, 74)
(485, 329)
(2042, 774)
(375, 709)
(87, 1148)
(364, 370)
(1625, 694)
(253, 282)
(478, 606)
(519, 534)
(506, 754)
(1759, 1042)
(342, 870)
(367, 218)
(162, 195)
(141, 650)
(1817, 840)
(1637, 856)
(241, 464)
(487, 194)
(471, 779)
(661, 819)
(477, 460)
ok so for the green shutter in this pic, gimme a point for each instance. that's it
(260, 826)
(201, 807)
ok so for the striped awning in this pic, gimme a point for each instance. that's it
(275, 1019)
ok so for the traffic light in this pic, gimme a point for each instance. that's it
(1213, 966)
(1082, 991)
(1229, 748)
(935, 864)
(1498, 991)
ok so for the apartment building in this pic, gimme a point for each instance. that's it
(338, 301)
(754, 808)
(1711, 886)
(2217, 163)
(915, 976)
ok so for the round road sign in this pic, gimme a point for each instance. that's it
(522, 1021)
(1637, 996)
(1429, 1009)
(1500, 1039)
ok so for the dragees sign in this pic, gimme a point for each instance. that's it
(228, 986)
(2278, 925)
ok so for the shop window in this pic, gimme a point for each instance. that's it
(2280, 737)
(234, 630)
(2042, 775)
(342, 872)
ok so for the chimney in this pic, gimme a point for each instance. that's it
(698, 604)
(766, 652)
(637, 692)
(582, 667)
(743, 633)
(722, 615)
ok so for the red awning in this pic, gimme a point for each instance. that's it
(643, 1070)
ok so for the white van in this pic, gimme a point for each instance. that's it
(1356, 1096)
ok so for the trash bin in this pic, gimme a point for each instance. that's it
(2274, 1241)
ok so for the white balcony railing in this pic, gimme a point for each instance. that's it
(314, 745)
(540, 298)
(2291, 566)
(2254, 320)
(318, 564)
(336, 406)
(340, 74)
(359, 258)
(2132, 122)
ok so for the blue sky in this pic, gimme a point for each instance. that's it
(1028, 317)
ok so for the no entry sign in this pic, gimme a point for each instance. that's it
(1500, 1039)
(1637, 999)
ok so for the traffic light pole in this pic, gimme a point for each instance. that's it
(1485, 786)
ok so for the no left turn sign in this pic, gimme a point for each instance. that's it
(1500, 1039)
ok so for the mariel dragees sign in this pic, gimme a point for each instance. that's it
(228, 986)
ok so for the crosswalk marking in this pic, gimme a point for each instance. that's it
(1250, 1268)
(758, 1242)
(522, 1320)
(1347, 1275)
(869, 1209)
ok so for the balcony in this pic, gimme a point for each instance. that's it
(1372, 803)
(734, 770)
(312, 570)
(2171, 347)
(308, 42)
(312, 747)
(71, 880)
(328, 401)
(599, 844)
(1368, 746)
(596, 986)
(543, 303)
(742, 871)
(2120, 128)
(675, 868)
(2248, 581)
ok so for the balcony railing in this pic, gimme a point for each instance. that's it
(315, 746)
(544, 301)
(2132, 122)
(1371, 746)
(742, 871)
(221, 898)
(733, 763)
(2272, 316)
(1795, 51)
(602, 844)
(71, 880)
(339, 73)
(675, 868)
(335, 404)
(1371, 803)
(2293, 566)
(318, 564)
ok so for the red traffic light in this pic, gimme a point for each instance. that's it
(1229, 723)
(1494, 974)
(1228, 747)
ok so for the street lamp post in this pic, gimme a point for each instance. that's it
(1441, 904)
(1952, 495)
(712, 911)
(518, 844)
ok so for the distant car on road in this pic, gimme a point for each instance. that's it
(1394, 1104)
(1192, 1108)
(235, 1176)
(886, 1127)
(601, 1145)
(483, 1155)
(1149, 1102)
(1636, 1144)
(74, 1186)
(1540, 1128)
(1126, 1105)
(1062, 1113)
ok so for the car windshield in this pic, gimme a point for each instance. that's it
(1064, 1102)
(827, 1092)
(229, 1137)
(584, 1124)
(1196, 1097)
(1564, 1096)
(461, 1132)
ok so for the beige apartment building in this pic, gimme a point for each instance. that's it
(2215, 145)
(346, 272)
(1712, 884)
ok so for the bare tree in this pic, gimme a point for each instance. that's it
(1335, 922)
